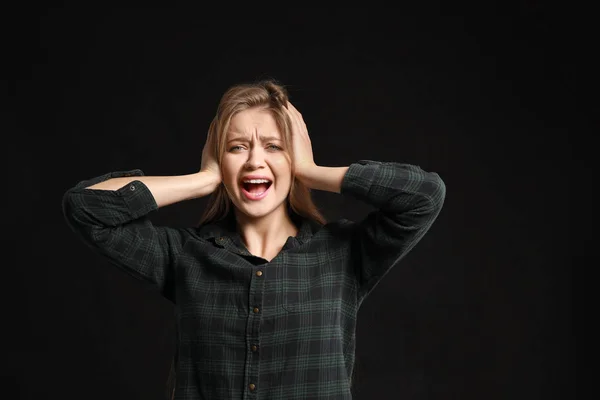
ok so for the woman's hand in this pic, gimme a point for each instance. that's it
(303, 155)
(209, 161)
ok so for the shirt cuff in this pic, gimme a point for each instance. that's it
(137, 197)
(110, 175)
(359, 178)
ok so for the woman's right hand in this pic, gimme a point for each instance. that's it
(209, 160)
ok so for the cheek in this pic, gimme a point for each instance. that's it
(282, 164)
(283, 170)
(229, 170)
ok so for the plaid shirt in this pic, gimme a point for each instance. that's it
(252, 329)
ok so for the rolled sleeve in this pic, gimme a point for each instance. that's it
(407, 201)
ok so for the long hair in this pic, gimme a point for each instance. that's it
(271, 96)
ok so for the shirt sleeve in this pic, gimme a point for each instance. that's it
(115, 224)
(407, 200)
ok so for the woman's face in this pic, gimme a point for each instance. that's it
(254, 150)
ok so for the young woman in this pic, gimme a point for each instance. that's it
(266, 292)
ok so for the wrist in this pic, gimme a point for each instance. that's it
(207, 181)
(306, 174)
(328, 179)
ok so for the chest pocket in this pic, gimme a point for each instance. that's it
(310, 304)
(310, 287)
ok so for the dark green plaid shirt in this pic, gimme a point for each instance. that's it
(252, 329)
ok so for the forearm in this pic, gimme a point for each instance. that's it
(323, 178)
(167, 189)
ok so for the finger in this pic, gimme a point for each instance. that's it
(298, 114)
(292, 108)
(288, 110)
(292, 114)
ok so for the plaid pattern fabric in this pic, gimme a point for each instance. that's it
(252, 329)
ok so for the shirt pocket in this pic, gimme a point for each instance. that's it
(310, 283)
(295, 301)
(312, 295)
(314, 305)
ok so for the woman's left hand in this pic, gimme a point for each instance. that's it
(302, 147)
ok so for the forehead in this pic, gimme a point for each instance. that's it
(253, 121)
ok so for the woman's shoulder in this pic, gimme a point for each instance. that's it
(340, 224)
(338, 229)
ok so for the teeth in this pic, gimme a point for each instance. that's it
(256, 181)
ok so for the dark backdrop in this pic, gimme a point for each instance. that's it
(481, 308)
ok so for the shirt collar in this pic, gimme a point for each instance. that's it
(224, 232)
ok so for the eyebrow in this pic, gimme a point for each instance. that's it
(262, 138)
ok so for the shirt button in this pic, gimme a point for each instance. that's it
(254, 347)
(256, 310)
(252, 386)
(131, 187)
(258, 273)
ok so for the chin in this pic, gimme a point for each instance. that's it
(258, 210)
(262, 209)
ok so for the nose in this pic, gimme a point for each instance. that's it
(256, 158)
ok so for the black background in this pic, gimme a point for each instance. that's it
(480, 309)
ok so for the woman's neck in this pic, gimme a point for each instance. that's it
(266, 236)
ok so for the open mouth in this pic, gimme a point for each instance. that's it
(256, 189)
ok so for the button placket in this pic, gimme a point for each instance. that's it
(256, 297)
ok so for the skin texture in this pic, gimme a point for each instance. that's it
(254, 146)
(263, 227)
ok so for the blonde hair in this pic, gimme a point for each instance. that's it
(271, 96)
